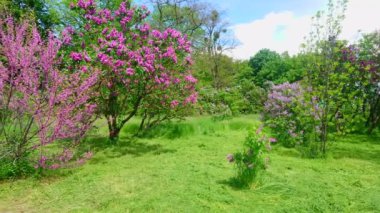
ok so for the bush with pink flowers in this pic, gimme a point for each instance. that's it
(39, 104)
(142, 71)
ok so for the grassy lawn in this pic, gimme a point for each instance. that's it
(182, 168)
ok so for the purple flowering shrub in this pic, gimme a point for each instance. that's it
(284, 113)
(142, 71)
(252, 159)
(39, 104)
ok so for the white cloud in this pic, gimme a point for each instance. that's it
(284, 31)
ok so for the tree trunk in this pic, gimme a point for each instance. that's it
(113, 128)
(114, 134)
(142, 122)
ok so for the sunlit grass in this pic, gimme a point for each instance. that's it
(181, 167)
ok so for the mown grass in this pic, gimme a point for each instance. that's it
(181, 167)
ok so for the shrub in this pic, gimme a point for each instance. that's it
(242, 99)
(39, 104)
(213, 102)
(251, 160)
(9, 168)
(284, 113)
(253, 97)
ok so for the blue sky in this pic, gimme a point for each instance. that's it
(282, 25)
(242, 11)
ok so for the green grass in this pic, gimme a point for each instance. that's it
(181, 167)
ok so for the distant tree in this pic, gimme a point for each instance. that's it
(297, 68)
(186, 16)
(217, 41)
(226, 70)
(270, 66)
(258, 61)
(37, 10)
(274, 71)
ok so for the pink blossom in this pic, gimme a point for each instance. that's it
(174, 104)
(191, 79)
(67, 35)
(170, 53)
(130, 71)
(76, 56)
(192, 98)
(84, 69)
(87, 58)
(85, 3)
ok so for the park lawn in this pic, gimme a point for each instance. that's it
(181, 167)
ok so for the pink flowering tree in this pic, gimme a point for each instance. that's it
(39, 104)
(142, 71)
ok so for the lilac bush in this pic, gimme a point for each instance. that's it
(283, 113)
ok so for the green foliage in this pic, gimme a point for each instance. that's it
(251, 97)
(297, 69)
(250, 161)
(280, 128)
(269, 66)
(12, 169)
(4, 4)
(274, 71)
(237, 95)
(222, 77)
(41, 11)
(242, 99)
(258, 61)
